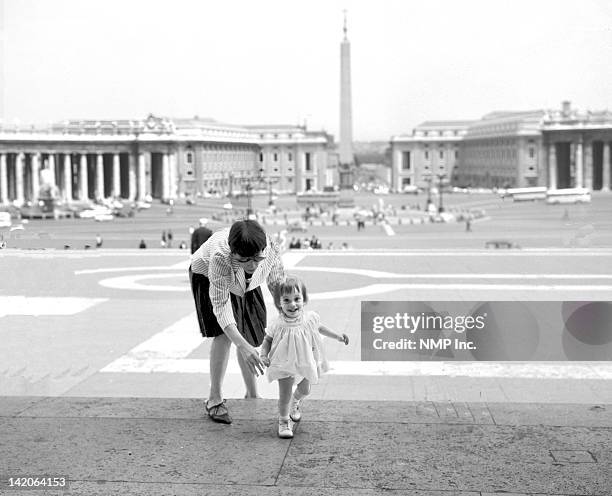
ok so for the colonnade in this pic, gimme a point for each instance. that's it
(72, 176)
(579, 168)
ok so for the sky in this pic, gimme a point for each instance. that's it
(278, 61)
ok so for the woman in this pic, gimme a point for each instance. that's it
(226, 275)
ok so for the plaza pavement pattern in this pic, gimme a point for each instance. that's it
(103, 372)
(122, 323)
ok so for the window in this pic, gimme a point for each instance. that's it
(441, 154)
(275, 157)
(307, 164)
(261, 157)
(406, 160)
(531, 152)
(426, 154)
(189, 165)
(456, 154)
(290, 157)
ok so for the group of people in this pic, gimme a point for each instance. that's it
(227, 271)
(166, 239)
(313, 242)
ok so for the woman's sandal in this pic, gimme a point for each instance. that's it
(218, 413)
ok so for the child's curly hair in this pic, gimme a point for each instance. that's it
(290, 283)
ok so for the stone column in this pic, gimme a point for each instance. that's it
(552, 166)
(3, 179)
(605, 172)
(99, 176)
(173, 175)
(132, 178)
(116, 176)
(67, 177)
(588, 165)
(299, 170)
(51, 163)
(19, 160)
(142, 184)
(83, 193)
(579, 183)
(397, 170)
(165, 177)
(35, 163)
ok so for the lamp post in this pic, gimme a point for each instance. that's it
(249, 191)
(270, 200)
(428, 179)
(441, 176)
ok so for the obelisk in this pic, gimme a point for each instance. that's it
(346, 113)
(2, 37)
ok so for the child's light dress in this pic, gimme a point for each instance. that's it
(297, 348)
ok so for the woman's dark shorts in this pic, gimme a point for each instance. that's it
(249, 311)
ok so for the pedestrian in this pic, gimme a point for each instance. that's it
(293, 351)
(142, 244)
(200, 235)
(468, 224)
(98, 241)
(226, 275)
(162, 242)
(170, 238)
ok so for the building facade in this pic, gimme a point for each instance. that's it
(503, 149)
(159, 158)
(556, 149)
(429, 154)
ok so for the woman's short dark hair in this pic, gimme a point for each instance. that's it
(247, 238)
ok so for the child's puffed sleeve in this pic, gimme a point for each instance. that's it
(271, 330)
(316, 319)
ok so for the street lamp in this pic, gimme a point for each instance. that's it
(428, 179)
(270, 200)
(441, 176)
(249, 191)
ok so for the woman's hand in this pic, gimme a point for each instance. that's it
(251, 357)
(343, 339)
(265, 360)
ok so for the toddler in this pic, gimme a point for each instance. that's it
(293, 350)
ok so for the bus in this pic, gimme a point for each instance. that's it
(568, 195)
(527, 194)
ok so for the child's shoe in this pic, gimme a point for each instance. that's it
(285, 428)
(294, 410)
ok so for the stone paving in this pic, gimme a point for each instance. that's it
(166, 446)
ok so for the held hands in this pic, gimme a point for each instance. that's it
(343, 339)
(256, 365)
(265, 360)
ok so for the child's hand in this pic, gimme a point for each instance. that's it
(265, 360)
(344, 339)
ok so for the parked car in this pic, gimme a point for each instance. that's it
(500, 243)
(297, 226)
(92, 213)
(411, 189)
(5, 219)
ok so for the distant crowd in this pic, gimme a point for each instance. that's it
(312, 243)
